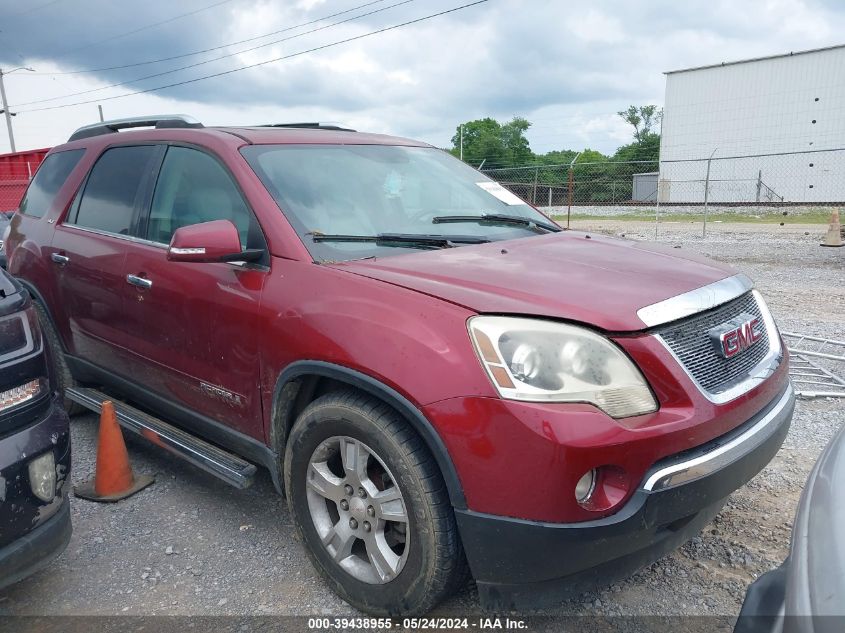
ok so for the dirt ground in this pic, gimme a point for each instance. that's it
(190, 545)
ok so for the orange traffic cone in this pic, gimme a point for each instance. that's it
(113, 479)
(834, 231)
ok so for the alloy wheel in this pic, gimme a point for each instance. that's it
(358, 510)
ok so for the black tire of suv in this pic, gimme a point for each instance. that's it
(436, 565)
(61, 372)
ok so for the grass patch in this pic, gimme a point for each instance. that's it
(820, 216)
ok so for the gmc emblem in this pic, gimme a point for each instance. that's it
(737, 335)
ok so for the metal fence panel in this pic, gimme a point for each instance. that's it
(741, 184)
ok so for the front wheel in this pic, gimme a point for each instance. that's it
(370, 504)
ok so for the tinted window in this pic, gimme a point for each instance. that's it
(108, 202)
(193, 188)
(49, 178)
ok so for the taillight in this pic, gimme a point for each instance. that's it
(21, 394)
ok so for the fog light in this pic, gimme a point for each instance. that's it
(42, 477)
(18, 395)
(585, 486)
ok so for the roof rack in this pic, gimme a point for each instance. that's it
(115, 125)
(314, 126)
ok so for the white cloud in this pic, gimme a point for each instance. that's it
(568, 67)
(595, 26)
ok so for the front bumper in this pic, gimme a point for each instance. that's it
(33, 532)
(529, 564)
(36, 549)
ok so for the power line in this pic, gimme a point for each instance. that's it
(144, 28)
(31, 10)
(213, 48)
(269, 61)
(208, 61)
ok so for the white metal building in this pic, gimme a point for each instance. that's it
(790, 105)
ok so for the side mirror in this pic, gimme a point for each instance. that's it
(216, 241)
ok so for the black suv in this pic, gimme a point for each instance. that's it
(34, 443)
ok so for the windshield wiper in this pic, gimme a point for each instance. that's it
(407, 240)
(499, 218)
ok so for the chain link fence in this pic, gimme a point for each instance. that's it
(582, 184)
(812, 177)
(742, 185)
(14, 179)
(16, 170)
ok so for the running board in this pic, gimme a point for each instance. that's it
(222, 464)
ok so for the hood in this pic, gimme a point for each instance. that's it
(595, 280)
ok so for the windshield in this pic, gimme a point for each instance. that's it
(342, 191)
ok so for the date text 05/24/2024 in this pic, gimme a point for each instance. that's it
(481, 624)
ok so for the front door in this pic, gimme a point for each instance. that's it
(196, 324)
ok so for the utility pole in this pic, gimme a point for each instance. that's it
(462, 140)
(5, 110)
(100, 108)
(7, 113)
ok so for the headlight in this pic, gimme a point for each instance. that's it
(544, 361)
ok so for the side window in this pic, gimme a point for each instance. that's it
(49, 178)
(108, 202)
(193, 188)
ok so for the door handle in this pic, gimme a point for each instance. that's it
(140, 282)
(61, 260)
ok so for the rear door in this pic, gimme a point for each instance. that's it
(195, 326)
(88, 252)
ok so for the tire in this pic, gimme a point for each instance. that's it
(430, 557)
(60, 371)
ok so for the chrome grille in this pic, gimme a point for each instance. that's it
(690, 342)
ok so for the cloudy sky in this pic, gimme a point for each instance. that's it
(568, 67)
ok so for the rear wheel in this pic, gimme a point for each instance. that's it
(371, 506)
(61, 372)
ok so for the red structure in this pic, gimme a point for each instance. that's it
(16, 170)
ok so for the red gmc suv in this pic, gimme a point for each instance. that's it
(438, 377)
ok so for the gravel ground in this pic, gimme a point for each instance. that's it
(189, 545)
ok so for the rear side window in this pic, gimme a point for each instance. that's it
(49, 178)
(109, 200)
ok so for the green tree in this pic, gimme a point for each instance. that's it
(591, 156)
(557, 157)
(646, 149)
(482, 141)
(642, 118)
(597, 177)
(592, 174)
(495, 144)
(515, 144)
